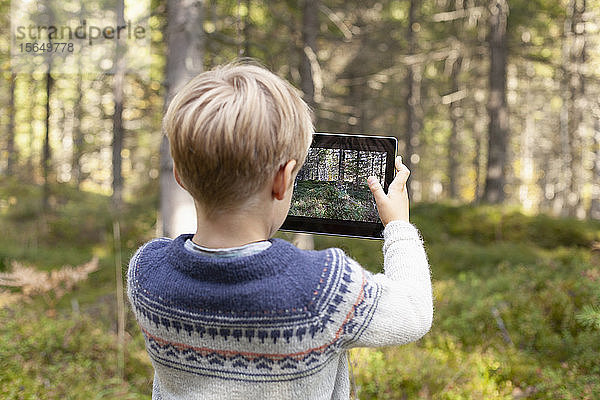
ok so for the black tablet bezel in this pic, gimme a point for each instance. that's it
(328, 226)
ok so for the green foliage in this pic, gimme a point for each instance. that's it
(537, 275)
(77, 223)
(438, 368)
(589, 316)
(543, 289)
(67, 357)
(492, 224)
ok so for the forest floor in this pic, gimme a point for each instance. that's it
(511, 296)
(323, 199)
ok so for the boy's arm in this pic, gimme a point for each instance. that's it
(402, 303)
(402, 296)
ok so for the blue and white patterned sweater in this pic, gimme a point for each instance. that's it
(275, 324)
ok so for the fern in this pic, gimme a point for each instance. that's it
(50, 285)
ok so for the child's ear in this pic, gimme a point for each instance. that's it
(177, 178)
(283, 180)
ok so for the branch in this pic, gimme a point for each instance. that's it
(476, 12)
(317, 77)
(452, 97)
(337, 21)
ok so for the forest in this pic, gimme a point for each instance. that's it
(496, 108)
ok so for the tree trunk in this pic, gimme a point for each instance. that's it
(477, 163)
(10, 141)
(46, 146)
(457, 124)
(479, 133)
(568, 201)
(563, 171)
(527, 143)
(117, 182)
(32, 87)
(46, 151)
(185, 46)
(77, 134)
(577, 105)
(456, 112)
(594, 211)
(498, 130)
(117, 144)
(413, 97)
(310, 27)
(357, 176)
(247, 33)
(341, 165)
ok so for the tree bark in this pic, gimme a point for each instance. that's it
(185, 46)
(46, 151)
(341, 165)
(77, 134)
(32, 86)
(10, 141)
(477, 164)
(455, 131)
(117, 143)
(76, 176)
(413, 97)
(577, 104)
(498, 130)
(310, 27)
(527, 143)
(46, 146)
(568, 201)
(456, 112)
(594, 210)
(247, 27)
(563, 171)
(357, 176)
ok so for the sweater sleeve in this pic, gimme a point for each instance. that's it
(402, 299)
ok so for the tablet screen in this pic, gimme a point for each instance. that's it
(331, 194)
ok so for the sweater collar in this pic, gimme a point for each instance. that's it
(228, 270)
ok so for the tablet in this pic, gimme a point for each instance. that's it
(331, 195)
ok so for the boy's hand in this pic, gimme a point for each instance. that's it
(393, 205)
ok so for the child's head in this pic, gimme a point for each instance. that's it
(231, 129)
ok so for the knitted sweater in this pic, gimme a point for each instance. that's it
(276, 324)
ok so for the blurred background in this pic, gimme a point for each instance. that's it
(496, 107)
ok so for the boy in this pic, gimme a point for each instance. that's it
(230, 312)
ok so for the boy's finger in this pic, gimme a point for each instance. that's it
(399, 182)
(376, 188)
(398, 163)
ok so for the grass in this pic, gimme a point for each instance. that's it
(509, 290)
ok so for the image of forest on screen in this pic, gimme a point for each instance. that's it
(333, 184)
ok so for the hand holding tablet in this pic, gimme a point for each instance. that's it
(393, 205)
(331, 193)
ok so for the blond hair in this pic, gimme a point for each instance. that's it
(231, 129)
